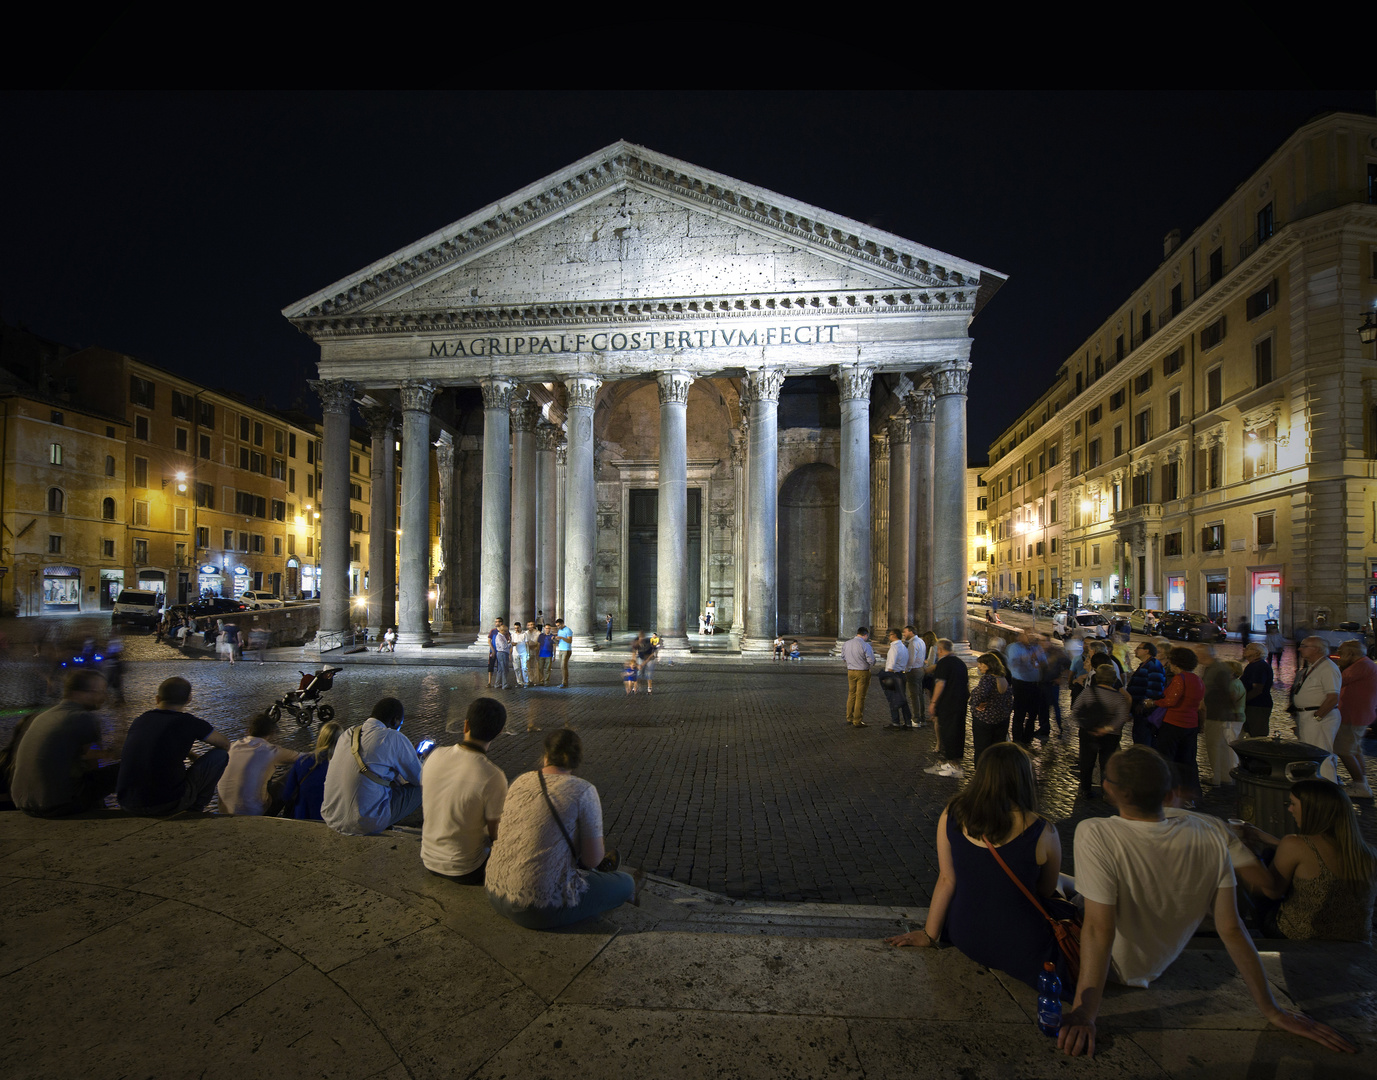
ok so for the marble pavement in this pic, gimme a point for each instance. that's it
(239, 947)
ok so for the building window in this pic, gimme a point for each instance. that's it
(1174, 410)
(140, 552)
(1214, 387)
(229, 539)
(1054, 545)
(291, 543)
(1078, 427)
(279, 510)
(1171, 479)
(179, 553)
(1146, 326)
(202, 536)
(140, 512)
(291, 444)
(1173, 362)
(310, 452)
(1099, 366)
(258, 544)
(1118, 348)
(1094, 554)
(1212, 335)
(244, 457)
(1177, 302)
(1094, 455)
(1075, 463)
(181, 405)
(179, 519)
(203, 447)
(205, 496)
(1143, 383)
(55, 500)
(54, 544)
(1052, 512)
(107, 549)
(354, 462)
(279, 469)
(243, 429)
(1018, 476)
(141, 428)
(1116, 399)
(57, 417)
(277, 440)
(1093, 417)
(1076, 557)
(1262, 361)
(1142, 489)
(310, 547)
(205, 414)
(258, 463)
(141, 392)
(1212, 538)
(1053, 455)
(55, 453)
(354, 553)
(250, 505)
(1142, 427)
(1118, 439)
(1266, 223)
(1211, 467)
(356, 491)
(291, 481)
(1266, 530)
(1216, 264)
(1171, 543)
(243, 541)
(257, 434)
(979, 554)
(181, 439)
(109, 465)
(980, 528)
(140, 472)
(310, 485)
(107, 509)
(982, 502)
(1262, 301)
(1259, 451)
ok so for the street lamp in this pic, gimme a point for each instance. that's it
(1367, 329)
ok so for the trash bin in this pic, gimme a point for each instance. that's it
(1266, 770)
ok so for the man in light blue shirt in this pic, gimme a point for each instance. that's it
(913, 675)
(564, 638)
(1025, 668)
(374, 778)
(860, 658)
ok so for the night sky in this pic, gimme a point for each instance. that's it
(176, 227)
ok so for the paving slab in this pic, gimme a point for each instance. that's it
(634, 1043)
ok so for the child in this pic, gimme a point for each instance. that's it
(794, 653)
(629, 676)
(779, 648)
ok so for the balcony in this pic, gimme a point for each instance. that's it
(1144, 513)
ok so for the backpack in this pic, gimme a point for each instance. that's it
(1091, 712)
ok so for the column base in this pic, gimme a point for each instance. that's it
(412, 637)
(1152, 603)
(757, 646)
(963, 649)
(675, 646)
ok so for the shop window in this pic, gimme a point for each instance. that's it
(1212, 538)
(107, 509)
(1266, 530)
(54, 544)
(55, 500)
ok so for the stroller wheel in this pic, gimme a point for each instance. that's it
(275, 712)
(327, 713)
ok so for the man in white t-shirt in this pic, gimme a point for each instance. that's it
(462, 795)
(1147, 877)
(244, 785)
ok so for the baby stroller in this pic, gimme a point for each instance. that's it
(304, 702)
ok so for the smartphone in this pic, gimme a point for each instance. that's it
(424, 747)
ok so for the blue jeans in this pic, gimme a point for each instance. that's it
(606, 890)
(502, 671)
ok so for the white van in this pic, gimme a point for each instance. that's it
(137, 606)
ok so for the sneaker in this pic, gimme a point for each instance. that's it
(954, 771)
(938, 768)
(859, 723)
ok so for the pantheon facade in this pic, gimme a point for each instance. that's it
(639, 387)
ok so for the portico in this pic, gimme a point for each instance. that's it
(689, 347)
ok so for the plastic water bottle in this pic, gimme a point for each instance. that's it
(1049, 1001)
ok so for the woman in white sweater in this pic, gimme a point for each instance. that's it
(551, 831)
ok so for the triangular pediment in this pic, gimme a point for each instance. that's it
(627, 224)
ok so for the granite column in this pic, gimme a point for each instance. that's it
(922, 405)
(762, 491)
(413, 624)
(337, 397)
(382, 519)
(671, 588)
(949, 568)
(900, 538)
(495, 581)
(580, 500)
(853, 547)
(547, 521)
(522, 605)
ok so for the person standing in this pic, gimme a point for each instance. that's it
(1276, 645)
(609, 626)
(1147, 683)
(1315, 698)
(1055, 671)
(1099, 715)
(1358, 707)
(951, 691)
(545, 647)
(992, 701)
(231, 640)
(859, 658)
(502, 653)
(913, 675)
(564, 645)
(56, 765)
(1257, 692)
(518, 653)
(1025, 668)
(1180, 731)
(892, 683)
(1218, 714)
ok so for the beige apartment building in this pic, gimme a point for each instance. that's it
(978, 529)
(1213, 445)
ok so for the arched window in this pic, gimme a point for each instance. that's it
(109, 465)
(107, 509)
(55, 500)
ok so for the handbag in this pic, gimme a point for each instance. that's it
(610, 860)
(1066, 925)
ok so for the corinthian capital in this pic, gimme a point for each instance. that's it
(547, 436)
(381, 421)
(763, 384)
(898, 428)
(524, 412)
(854, 382)
(336, 395)
(497, 392)
(879, 450)
(674, 387)
(952, 379)
(582, 390)
(922, 405)
(417, 396)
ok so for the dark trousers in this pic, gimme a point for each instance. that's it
(1095, 748)
(1178, 744)
(1051, 703)
(984, 735)
(1027, 706)
(1257, 720)
(892, 683)
(951, 733)
(473, 877)
(90, 795)
(1144, 734)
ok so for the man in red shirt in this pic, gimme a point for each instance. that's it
(1357, 709)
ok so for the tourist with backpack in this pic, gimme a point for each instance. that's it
(1100, 712)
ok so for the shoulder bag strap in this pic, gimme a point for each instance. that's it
(1021, 887)
(558, 820)
(355, 744)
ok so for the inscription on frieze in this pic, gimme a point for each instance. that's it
(605, 341)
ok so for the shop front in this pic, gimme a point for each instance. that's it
(153, 581)
(61, 589)
(308, 583)
(293, 581)
(111, 584)
(210, 581)
(1266, 602)
(1176, 592)
(239, 580)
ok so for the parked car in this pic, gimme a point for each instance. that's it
(260, 600)
(1189, 626)
(138, 607)
(214, 605)
(1145, 620)
(1092, 622)
(1111, 611)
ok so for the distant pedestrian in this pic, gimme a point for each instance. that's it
(951, 691)
(518, 653)
(892, 683)
(859, 658)
(609, 626)
(1245, 631)
(913, 676)
(647, 650)
(992, 704)
(1276, 645)
(502, 653)
(564, 645)
(545, 649)
(1257, 690)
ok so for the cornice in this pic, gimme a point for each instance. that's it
(622, 165)
(616, 312)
